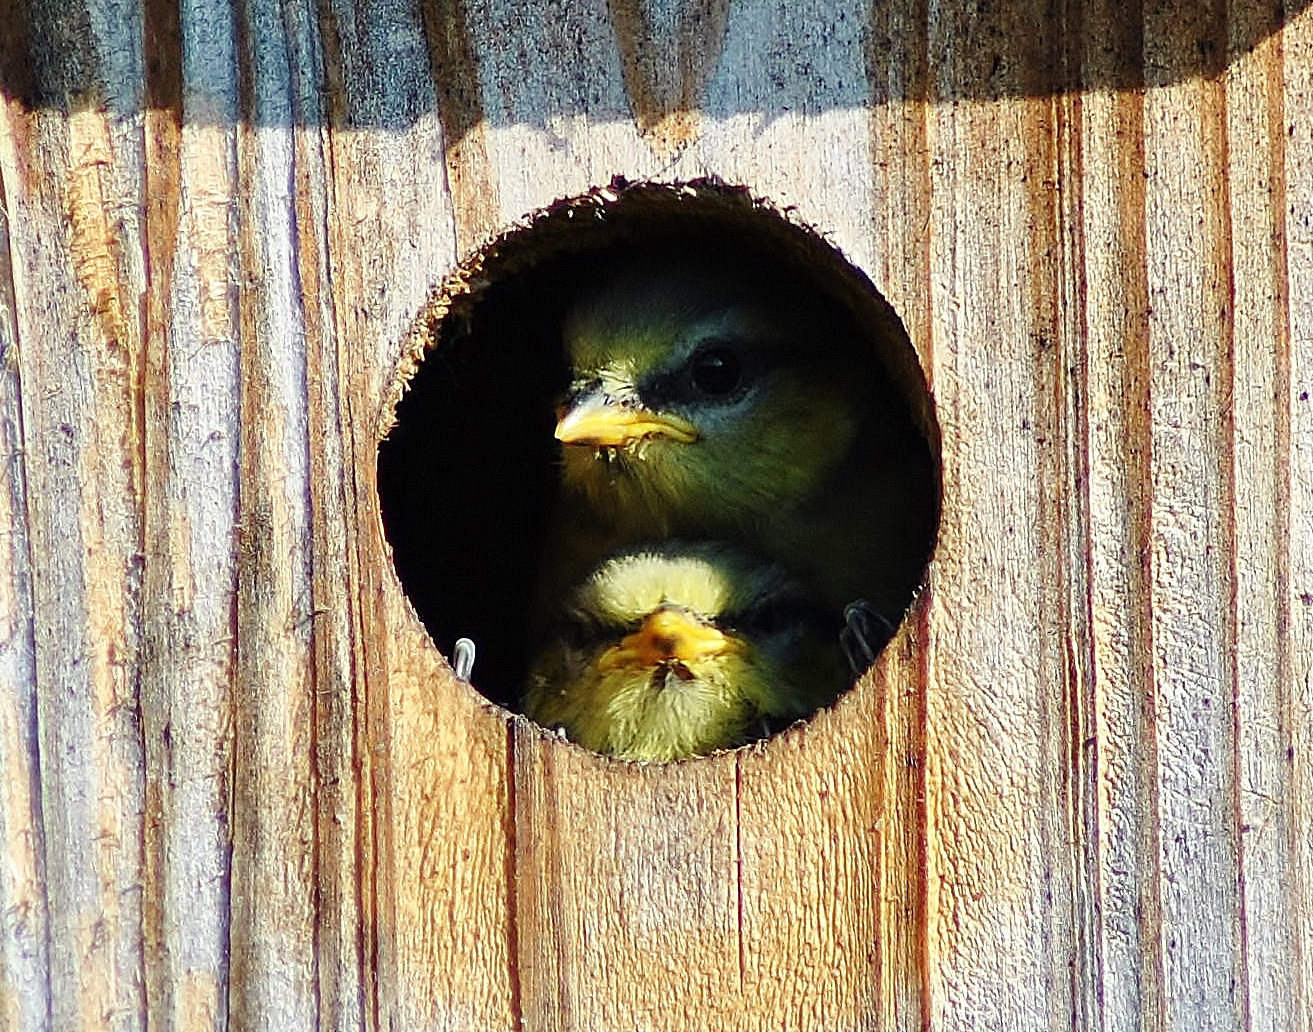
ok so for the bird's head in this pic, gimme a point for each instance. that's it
(702, 395)
(676, 651)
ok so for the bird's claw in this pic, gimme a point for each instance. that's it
(865, 632)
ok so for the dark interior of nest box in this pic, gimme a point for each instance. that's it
(467, 475)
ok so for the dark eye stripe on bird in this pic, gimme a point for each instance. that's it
(777, 617)
(583, 630)
(716, 371)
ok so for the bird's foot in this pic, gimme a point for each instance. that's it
(865, 632)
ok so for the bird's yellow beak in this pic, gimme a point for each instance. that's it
(602, 423)
(667, 636)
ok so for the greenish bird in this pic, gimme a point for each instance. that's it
(716, 398)
(675, 650)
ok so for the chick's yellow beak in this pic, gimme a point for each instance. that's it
(599, 422)
(667, 636)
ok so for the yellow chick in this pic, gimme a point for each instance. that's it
(712, 399)
(673, 651)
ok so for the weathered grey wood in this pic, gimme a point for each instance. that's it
(191, 441)
(1285, 960)
(77, 376)
(240, 788)
(24, 947)
(1270, 869)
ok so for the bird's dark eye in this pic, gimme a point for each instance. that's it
(716, 370)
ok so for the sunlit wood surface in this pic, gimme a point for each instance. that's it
(239, 787)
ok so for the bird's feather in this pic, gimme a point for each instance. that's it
(617, 674)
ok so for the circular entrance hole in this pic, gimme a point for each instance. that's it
(774, 427)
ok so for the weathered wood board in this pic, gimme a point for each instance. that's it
(239, 787)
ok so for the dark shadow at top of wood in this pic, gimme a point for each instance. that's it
(760, 57)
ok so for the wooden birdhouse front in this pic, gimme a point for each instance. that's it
(242, 786)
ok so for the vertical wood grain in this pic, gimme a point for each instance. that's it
(24, 943)
(273, 982)
(73, 188)
(454, 62)
(1079, 766)
(628, 883)
(1115, 307)
(191, 395)
(1295, 554)
(429, 821)
(242, 788)
(1256, 123)
(445, 839)
(900, 228)
(743, 891)
(811, 826)
(1001, 923)
(1188, 269)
